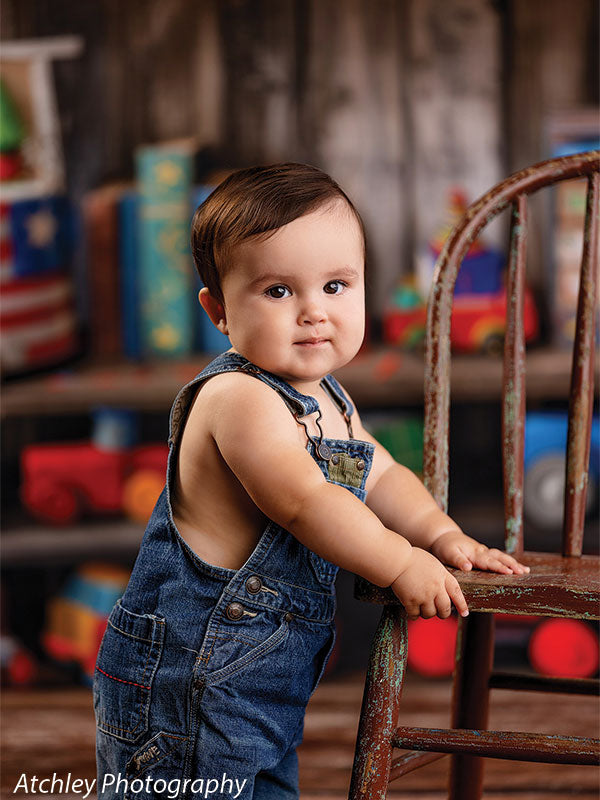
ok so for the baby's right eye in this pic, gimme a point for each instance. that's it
(278, 292)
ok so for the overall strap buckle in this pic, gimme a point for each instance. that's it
(323, 451)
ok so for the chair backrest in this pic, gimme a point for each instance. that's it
(514, 192)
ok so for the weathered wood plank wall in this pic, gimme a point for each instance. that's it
(398, 99)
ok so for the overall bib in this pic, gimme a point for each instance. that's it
(204, 673)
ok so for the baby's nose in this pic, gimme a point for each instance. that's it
(311, 312)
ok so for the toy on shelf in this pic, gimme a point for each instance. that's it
(566, 648)
(76, 618)
(544, 462)
(479, 311)
(12, 135)
(401, 435)
(37, 320)
(477, 326)
(18, 666)
(30, 121)
(107, 475)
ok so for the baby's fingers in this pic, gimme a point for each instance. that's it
(456, 595)
(498, 561)
(443, 605)
(511, 562)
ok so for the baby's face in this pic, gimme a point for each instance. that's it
(294, 303)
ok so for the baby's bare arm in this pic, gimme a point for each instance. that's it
(403, 504)
(258, 438)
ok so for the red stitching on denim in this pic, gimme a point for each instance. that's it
(121, 679)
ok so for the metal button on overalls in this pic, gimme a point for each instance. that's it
(254, 584)
(234, 611)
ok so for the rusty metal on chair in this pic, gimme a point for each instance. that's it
(582, 381)
(565, 585)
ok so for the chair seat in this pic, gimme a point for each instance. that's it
(557, 586)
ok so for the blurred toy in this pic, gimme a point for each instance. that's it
(37, 320)
(402, 436)
(12, 134)
(30, 123)
(478, 316)
(565, 648)
(431, 646)
(482, 267)
(18, 667)
(544, 483)
(478, 321)
(76, 619)
(105, 476)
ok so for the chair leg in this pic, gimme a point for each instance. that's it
(470, 699)
(379, 713)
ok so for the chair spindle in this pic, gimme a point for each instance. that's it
(513, 385)
(582, 381)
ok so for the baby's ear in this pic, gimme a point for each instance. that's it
(215, 310)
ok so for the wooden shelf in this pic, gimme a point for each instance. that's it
(381, 377)
(34, 545)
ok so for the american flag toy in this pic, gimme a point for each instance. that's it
(38, 325)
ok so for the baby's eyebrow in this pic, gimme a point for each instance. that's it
(270, 277)
(344, 271)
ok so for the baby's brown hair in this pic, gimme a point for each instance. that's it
(256, 201)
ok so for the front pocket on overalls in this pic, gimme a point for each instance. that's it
(127, 661)
(258, 651)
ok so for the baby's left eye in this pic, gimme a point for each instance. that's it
(334, 287)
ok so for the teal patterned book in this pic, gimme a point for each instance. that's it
(164, 176)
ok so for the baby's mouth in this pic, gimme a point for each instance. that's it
(313, 342)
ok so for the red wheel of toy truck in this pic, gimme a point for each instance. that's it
(564, 648)
(54, 503)
(140, 493)
(431, 646)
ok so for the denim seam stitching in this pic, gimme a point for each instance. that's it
(211, 642)
(130, 635)
(250, 640)
(122, 680)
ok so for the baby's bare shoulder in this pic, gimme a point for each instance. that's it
(236, 398)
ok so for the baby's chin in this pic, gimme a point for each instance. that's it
(302, 369)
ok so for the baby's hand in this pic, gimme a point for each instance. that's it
(426, 588)
(458, 550)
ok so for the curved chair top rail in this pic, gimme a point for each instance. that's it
(513, 191)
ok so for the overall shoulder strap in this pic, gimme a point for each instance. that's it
(341, 400)
(299, 404)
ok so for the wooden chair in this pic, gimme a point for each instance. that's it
(559, 585)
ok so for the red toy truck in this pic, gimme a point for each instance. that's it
(478, 323)
(61, 481)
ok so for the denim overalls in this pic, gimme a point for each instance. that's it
(204, 673)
